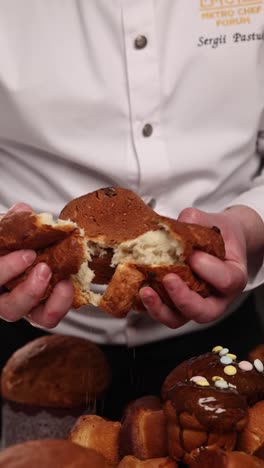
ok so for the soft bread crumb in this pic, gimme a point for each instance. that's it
(47, 218)
(83, 279)
(151, 248)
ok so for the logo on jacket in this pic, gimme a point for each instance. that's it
(230, 12)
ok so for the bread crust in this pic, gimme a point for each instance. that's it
(99, 434)
(56, 371)
(26, 230)
(54, 453)
(143, 431)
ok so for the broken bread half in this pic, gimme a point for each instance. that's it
(128, 246)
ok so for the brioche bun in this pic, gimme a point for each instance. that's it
(56, 371)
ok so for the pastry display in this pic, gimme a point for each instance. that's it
(51, 453)
(95, 432)
(48, 383)
(209, 412)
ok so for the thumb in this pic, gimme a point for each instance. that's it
(19, 207)
(195, 216)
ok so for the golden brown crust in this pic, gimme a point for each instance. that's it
(121, 291)
(56, 371)
(251, 439)
(132, 462)
(51, 453)
(217, 458)
(26, 230)
(97, 433)
(110, 215)
(143, 430)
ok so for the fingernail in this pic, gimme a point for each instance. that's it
(170, 282)
(146, 298)
(43, 272)
(29, 256)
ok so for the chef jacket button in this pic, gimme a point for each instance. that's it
(140, 42)
(147, 130)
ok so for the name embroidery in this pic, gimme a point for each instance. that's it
(215, 42)
(230, 12)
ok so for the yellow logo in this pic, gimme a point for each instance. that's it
(230, 12)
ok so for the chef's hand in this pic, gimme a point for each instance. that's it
(23, 301)
(243, 233)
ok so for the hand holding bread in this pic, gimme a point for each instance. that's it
(112, 237)
(18, 256)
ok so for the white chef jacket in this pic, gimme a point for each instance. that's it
(164, 97)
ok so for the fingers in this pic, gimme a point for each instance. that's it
(159, 311)
(25, 296)
(20, 207)
(226, 277)
(191, 305)
(56, 307)
(14, 264)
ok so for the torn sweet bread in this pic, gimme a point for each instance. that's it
(131, 246)
(111, 237)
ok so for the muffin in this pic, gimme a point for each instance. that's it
(47, 384)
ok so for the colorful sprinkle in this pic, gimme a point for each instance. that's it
(221, 384)
(245, 366)
(202, 383)
(226, 360)
(197, 378)
(217, 349)
(232, 386)
(224, 351)
(232, 356)
(216, 377)
(230, 370)
(258, 365)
